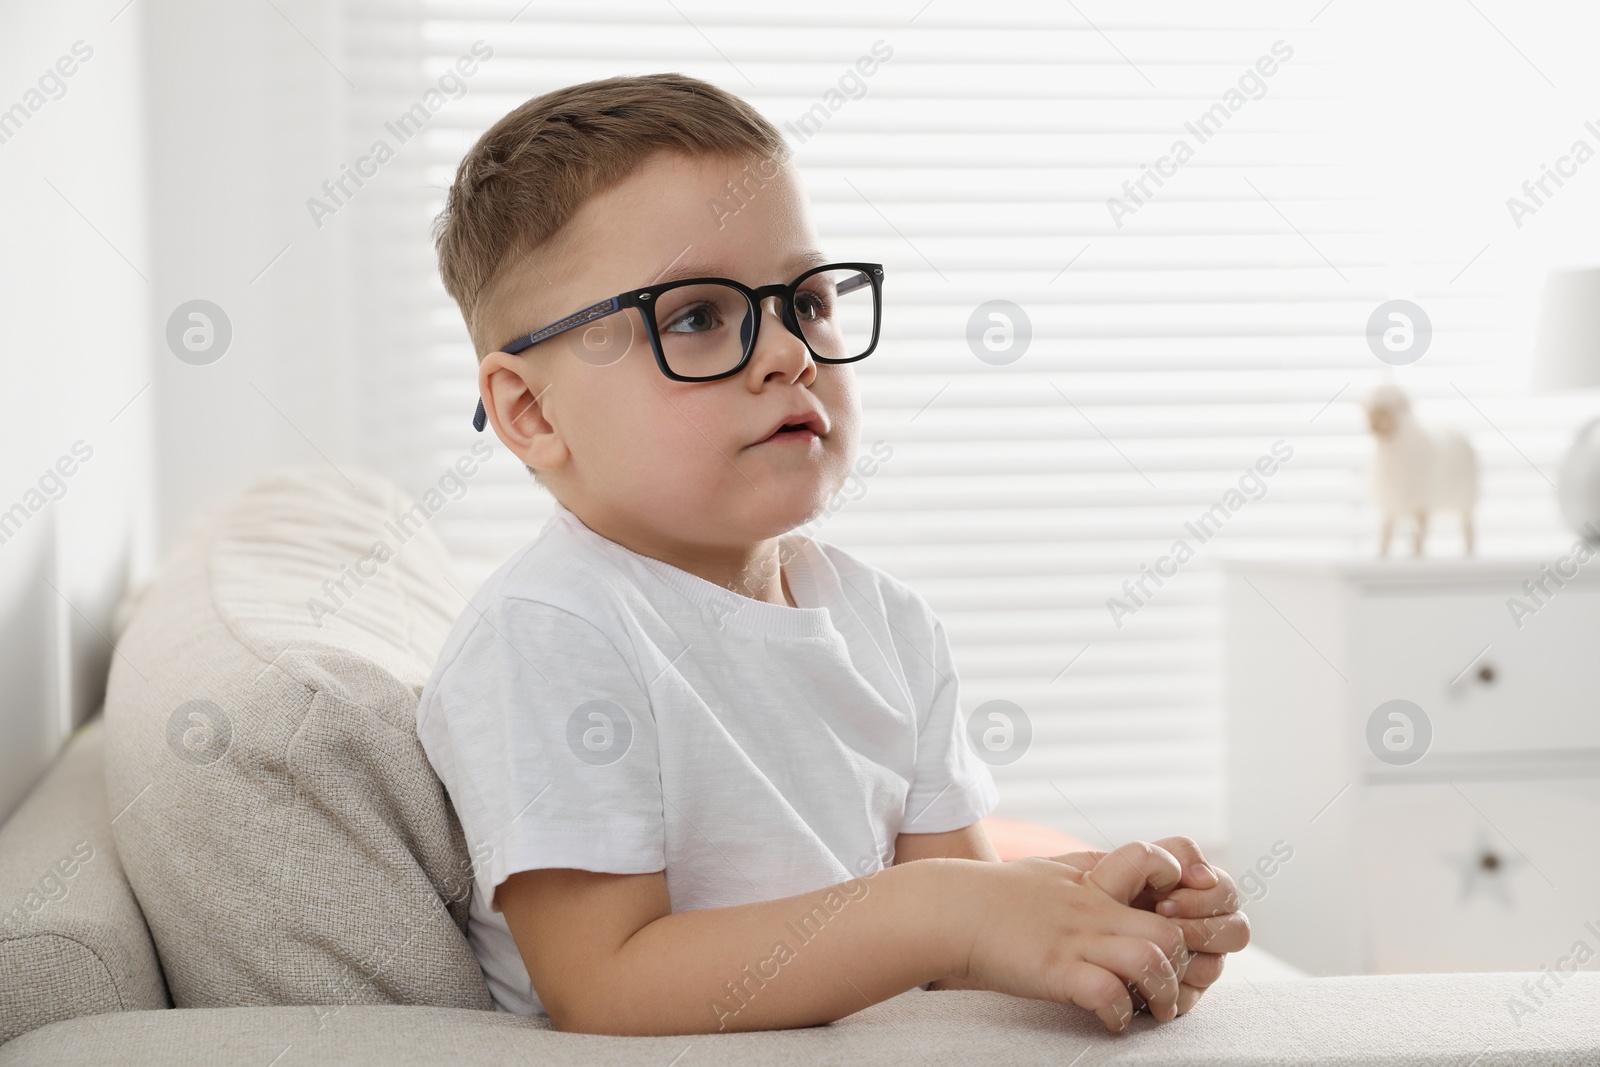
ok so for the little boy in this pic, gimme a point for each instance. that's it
(713, 773)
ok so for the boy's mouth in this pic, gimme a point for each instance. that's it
(791, 433)
(797, 426)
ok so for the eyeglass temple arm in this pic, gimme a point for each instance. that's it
(850, 285)
(480, 417)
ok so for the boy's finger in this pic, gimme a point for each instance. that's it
(1117, 1019)
(1218, 933)
(1143, 965)
(1100, 991)
(1197, 873)
(1125, 872)
(1204, 969)
(1188, 996)
(1220, 899)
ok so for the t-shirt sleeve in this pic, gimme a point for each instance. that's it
(545, 740)
(953, 787)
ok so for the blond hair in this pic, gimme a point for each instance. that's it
(529, 173)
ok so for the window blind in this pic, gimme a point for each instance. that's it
(1179, 330)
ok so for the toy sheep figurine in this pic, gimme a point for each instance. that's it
(1416, 472)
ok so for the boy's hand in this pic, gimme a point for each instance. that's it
(1205, 904)
(1050, 930)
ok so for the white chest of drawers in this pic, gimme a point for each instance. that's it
(1482, 854)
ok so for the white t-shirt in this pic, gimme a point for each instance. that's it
(598, 709)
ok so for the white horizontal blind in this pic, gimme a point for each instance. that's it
(1225, 314)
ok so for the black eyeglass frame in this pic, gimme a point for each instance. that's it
(644, 298)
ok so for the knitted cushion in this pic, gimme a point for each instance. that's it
(280, 825)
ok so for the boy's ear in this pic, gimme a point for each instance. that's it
(512, 398)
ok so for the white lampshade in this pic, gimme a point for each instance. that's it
(1566, 354)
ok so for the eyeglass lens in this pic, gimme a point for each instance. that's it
(704, 328)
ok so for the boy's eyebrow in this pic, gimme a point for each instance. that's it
(704, 269)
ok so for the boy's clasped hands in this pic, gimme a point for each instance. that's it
(1143, 926)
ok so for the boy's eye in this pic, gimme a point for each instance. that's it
(696, 318)
(809, 307)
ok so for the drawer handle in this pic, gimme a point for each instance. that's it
(1489, 861)
(1485, 675)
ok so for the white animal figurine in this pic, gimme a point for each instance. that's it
(1416, 472)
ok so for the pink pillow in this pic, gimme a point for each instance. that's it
(1014, 839)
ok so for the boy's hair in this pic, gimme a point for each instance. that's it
(530, 172)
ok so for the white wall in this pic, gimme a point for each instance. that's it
(74, 366)
(176, 166)
(253, 109)
(240, 118)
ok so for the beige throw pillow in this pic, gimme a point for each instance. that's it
(281, 827)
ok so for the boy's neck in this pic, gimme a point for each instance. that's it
(753, 572)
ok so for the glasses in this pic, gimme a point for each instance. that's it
(703, 329)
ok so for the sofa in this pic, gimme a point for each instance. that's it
(245, 858)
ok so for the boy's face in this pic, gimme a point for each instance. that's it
(659, 465)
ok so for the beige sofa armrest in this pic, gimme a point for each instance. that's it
(1419, 1020)
(72, 939)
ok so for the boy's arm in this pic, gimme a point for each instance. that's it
(969, 842)
(607, 954)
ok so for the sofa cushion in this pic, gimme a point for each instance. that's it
(72, 940)
(1448, 1020)
(284, 833)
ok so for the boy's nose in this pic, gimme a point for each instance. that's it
(777, 313)
(784, 334)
